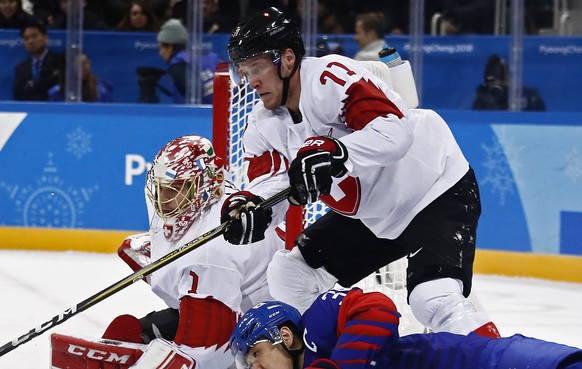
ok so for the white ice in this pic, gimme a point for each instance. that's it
(36, 286)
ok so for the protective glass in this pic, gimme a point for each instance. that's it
(243, 75)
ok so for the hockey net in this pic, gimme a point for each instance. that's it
(232, 104)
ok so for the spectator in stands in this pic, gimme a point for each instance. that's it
(539, 16)
(12, 15)
(93, 88)
(214, 20)
(46, 10)
(34, 76)
(139, 18)
(493, 94)
(468, 16)
(172, 40)
(333, 17)
(395, 12)
(91, 20)
(116, 9)
(369, 35)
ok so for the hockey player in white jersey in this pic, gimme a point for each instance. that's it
(395, 178)
(205, 290)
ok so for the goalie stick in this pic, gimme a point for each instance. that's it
(147, 270)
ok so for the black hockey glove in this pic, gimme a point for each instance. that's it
(248, 223)
(319, 159)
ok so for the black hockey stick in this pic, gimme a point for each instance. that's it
(148, 269)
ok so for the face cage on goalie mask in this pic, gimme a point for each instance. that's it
(186, 195)
(240, 77)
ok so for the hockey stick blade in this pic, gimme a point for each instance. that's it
(129, 280)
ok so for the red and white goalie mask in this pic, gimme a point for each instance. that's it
(186, 178)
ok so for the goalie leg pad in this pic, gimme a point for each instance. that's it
(69, 352)
(440, 305)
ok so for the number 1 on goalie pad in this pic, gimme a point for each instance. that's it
(68, 352)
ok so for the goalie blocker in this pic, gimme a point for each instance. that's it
(68, 352)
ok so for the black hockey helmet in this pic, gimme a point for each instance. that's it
(267, 31)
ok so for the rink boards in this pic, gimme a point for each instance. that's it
(72, 177)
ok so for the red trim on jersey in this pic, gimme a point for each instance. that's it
(364, 103)
(358, 305)
(350, 203)
(353, 361)
(365, 329)
(267, 162)
(488, 330)
(358, 345)
(204, 322)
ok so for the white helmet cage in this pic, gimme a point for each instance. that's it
(186, 176)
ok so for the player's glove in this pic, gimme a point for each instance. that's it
(247, 222)
(323, 364)
(319, 159)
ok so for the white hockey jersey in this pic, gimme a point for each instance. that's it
(399, 160)
(232, 274)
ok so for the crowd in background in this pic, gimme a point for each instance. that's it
(220, 16)
(369, 20)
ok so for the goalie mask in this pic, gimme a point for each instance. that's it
(186, 177)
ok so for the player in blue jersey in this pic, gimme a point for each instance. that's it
(350, 329)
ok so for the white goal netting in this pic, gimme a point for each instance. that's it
(232, 104)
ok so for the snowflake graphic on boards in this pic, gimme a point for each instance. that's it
(499, 175)
(49, 204)
(79, 142)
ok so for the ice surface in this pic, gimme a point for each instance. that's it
(35, 286)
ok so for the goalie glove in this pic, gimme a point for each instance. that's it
(247, 222)
(136, 252)
(311, 172)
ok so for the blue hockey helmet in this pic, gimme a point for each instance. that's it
(261, 323)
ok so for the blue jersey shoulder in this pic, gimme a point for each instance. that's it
(320, 335)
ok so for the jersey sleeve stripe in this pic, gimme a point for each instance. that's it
(366, 102)
(267, 162)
